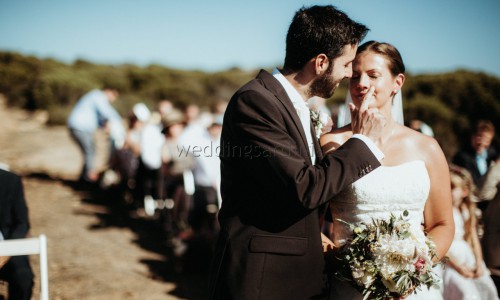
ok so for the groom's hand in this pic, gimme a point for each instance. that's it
(367, 121)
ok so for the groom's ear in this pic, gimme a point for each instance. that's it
(321, 63)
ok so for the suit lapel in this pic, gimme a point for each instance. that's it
(279, 92)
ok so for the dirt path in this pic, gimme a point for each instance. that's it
(97, 248)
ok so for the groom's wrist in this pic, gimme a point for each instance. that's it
(371, 145)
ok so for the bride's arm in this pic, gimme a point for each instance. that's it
(333, 140)
(438, 214)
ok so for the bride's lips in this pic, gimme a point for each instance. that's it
(360, 96)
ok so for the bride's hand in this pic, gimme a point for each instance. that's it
(408, 294)
(479, 271)
(329, 252)
(465, 272)
(327, 244)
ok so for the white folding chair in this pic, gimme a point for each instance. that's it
(30, 246)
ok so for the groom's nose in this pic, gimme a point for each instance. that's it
(348, 72)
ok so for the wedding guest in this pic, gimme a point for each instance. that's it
(489, 191)
(175, 163)
(92, 111)
(148, 171)
(206, 174)
(195, 126)
(14, 224)
(165, 107)
(218, 108)
(478, 154)
(269, 245)
(421, 127)
(130, 153)
(466, 275)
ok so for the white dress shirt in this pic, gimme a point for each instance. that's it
(92, 111)
(481, 161)
(302, 110)
(151, 142)
(304, 114)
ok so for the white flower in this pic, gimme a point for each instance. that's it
(393, 254)
(321, 121)
(357, 273)
(367, 280)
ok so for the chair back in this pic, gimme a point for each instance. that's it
(30, 246)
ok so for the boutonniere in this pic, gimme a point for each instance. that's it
(321, 121)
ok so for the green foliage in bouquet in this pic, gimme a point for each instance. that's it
(387, 259)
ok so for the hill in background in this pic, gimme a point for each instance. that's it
(450, 102)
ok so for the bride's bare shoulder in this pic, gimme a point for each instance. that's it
(335, 138)
(423, 146)
(418, 140)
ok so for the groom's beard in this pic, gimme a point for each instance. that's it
(324, 86)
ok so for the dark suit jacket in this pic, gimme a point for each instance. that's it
(14, 222)
(466, 159)
(269, 245)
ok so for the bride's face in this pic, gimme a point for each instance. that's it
(371, 69)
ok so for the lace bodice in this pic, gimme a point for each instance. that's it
(386, 190)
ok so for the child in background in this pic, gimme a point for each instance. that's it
(466, 275)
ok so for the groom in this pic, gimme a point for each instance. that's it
(275, 180)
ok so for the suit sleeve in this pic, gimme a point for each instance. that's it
(262, 127)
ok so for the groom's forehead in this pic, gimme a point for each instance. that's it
(348, 53)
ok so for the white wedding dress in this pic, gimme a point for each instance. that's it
(386, 190)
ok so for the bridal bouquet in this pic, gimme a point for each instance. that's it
(387, 259)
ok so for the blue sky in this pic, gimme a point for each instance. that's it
(432, 35)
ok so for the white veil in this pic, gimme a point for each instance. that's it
(344, 116)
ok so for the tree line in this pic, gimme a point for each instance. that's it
(449, 102)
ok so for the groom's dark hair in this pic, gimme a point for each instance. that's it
(320, 29)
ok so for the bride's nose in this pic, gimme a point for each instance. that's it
(363, 83)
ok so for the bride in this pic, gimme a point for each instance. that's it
(414, 173)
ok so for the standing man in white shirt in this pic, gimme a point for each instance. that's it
(93, 111)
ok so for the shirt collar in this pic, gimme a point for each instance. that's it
(292, 93)
(483, 154)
